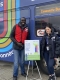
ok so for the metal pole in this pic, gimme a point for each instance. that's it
(32, 68)
(28, 70)
(38, 71)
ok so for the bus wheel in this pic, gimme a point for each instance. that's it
(42, 65)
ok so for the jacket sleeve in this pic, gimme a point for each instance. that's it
(42, 46)
(13, 34)
(57, 46)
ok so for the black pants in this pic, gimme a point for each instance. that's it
(50, 63)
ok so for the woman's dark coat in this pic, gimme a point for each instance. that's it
(54, 45)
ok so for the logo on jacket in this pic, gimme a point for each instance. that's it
(53, 38)
(26, 29)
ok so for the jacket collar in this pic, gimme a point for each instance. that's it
(22, 27)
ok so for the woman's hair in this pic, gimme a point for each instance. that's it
(49, 25)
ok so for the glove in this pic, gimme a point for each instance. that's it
(20, 44)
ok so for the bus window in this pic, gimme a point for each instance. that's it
(1, 26)
(25, 13)
(41, 23)
(40, 26)
(27, 21)
(1, 14)
(55, 20)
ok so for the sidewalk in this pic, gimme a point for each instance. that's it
(6, 72)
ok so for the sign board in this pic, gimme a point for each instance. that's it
(47, 9)
(40, 32)
(32, 50)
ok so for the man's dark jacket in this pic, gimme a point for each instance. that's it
(12, 36)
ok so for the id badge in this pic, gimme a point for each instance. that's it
(47, 48)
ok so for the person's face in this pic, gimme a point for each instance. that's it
(23, 21)
(48, 30)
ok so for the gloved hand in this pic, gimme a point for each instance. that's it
(20, 44)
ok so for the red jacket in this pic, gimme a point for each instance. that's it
(21, 35)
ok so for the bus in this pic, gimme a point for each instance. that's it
(37, 14)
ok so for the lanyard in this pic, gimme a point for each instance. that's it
(47, 40)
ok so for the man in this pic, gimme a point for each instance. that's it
(18, 35)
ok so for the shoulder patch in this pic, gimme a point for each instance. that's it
(53, 38)
(26, 29)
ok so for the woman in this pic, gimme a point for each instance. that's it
(50, 49)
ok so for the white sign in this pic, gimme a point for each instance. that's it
(32, 50)
(40, 32)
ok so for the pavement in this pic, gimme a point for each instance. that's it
(6, 73)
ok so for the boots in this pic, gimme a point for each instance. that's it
(52, 78)
(14, 78)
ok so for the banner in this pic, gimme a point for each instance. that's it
(32, 50)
